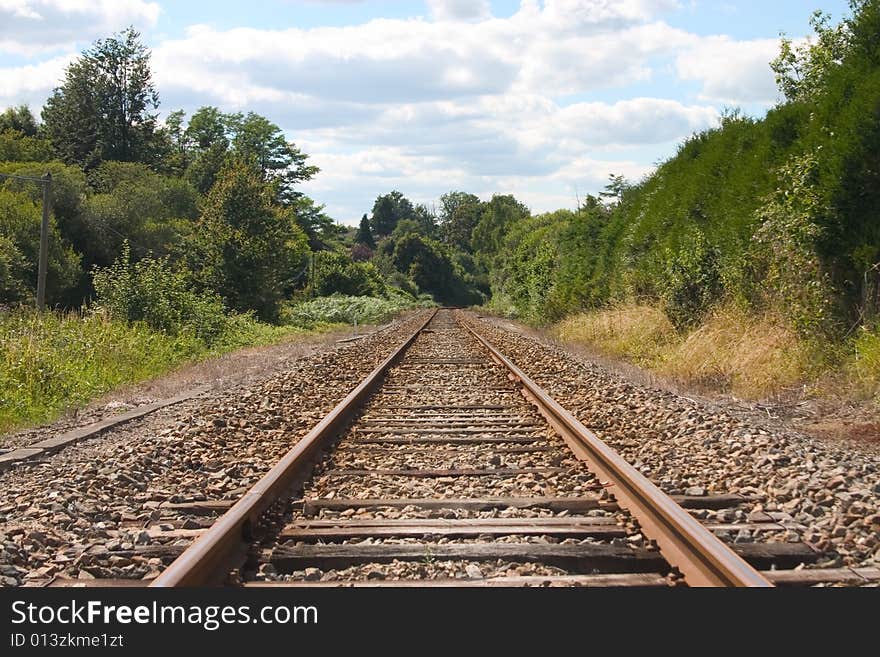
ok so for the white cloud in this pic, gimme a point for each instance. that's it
(578, 14)
(32, 83)
(731, 71)
(32, 26)
(459, 10)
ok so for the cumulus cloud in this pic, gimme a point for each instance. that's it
(32, 83)
(31, 26)
(731, 71)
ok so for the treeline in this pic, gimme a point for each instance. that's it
(179, 222)
(780, 214)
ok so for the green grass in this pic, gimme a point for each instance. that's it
(863, 366)
(338, 309)
(52, 362)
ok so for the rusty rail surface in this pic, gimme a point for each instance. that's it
(208, 560)
(684, 542)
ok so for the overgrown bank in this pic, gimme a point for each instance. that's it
(751, 258)
(53, 362)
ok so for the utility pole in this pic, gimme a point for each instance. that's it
(44, 244)
(43, 264)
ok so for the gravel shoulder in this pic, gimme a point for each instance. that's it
(829, 487)
(837, 419)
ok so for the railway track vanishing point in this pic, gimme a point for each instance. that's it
(449, 459)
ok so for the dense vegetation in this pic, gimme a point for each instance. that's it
(777, 219)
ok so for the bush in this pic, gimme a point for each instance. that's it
(150, 291)
(340, 309)
(335, 273)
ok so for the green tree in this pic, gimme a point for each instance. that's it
(13, 272)
(450, 202)
(425, 220)
(131, 202)
(69, 193)
(390, 209)
(364, 234)
(498, 215)
(103, 108)
(178, 147)
(244, 247)
(802, 70)
(20, 219)
(257, 140)
(614, 190)
(459, 226)
(19, 119)
(430, 266)
(206, 132)
(318, 226)
(383, 220)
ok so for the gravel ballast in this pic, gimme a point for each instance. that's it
(682, 444)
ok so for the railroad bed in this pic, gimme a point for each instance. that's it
(445, 468)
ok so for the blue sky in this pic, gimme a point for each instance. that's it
(540, 98)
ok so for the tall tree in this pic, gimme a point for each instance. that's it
(426, 220)
(245, 248)
(364, 234)
(389, 210)
(178, 144)
(250, 138)
(450, 201)
(207, 132)
(104, 108)
(257, 140)
(384, 219)
(317, 224)
(458, 228)
(498, 215)
(206, 127)
(20, 119)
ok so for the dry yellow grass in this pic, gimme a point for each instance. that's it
(749, 356)
(740, 353)
(638, 333)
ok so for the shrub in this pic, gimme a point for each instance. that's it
(150, 291)
(335, 273)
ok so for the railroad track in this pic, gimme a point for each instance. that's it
(448, 466)
(451, 460)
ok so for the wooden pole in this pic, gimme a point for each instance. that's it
(44, 244)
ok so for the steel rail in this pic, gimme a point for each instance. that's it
(684, 542)
(210, 558)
